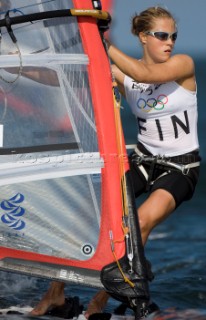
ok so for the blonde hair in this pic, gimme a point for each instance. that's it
(144, 21)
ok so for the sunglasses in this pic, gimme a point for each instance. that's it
(163, 36)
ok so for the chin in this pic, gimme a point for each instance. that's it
(164, 59)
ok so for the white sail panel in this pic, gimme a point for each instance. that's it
(44, 217)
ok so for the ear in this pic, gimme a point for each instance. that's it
(142, 37)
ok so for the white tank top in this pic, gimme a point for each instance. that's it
(166, 115)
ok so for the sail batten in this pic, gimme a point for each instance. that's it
(50, 167)
(50, 60)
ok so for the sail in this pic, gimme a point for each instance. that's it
(64, 188)
(107, 5)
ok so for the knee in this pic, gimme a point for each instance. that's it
(144, 223)
(146, 227)
(155, 209)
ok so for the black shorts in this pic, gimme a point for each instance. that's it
(181, 186)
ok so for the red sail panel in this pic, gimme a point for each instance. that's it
(107, 5)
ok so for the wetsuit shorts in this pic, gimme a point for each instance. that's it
(181, 186)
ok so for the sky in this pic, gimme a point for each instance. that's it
(189, 14)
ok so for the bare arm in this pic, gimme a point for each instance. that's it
(41, 75)
(176, 68)
(119, 77)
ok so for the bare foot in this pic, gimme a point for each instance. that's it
(97, 303)
(54, 297)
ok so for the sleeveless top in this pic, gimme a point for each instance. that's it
(166, 115)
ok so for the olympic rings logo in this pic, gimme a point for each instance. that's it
(152, 103)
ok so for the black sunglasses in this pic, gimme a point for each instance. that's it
(163, 36)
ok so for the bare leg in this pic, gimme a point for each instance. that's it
(97, 303)
(54, 297)
(153, 211)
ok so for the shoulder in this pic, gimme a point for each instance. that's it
(182, 59)
(187, 78)
(177, 68)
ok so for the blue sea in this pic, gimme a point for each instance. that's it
(176, 249)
